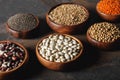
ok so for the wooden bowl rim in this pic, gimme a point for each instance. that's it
(25, 58)
(76, 57)
(86, 10)
(25, 31)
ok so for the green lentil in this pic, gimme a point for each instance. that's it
(68, 14)
(22, 22)
(104, 32)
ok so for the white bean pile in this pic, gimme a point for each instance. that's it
(59, 48)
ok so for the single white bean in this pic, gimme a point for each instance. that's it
(61, 37)
(56, 55)
(74, 54)
(67, 56)
(74, 42)
(48, 53)
(51, 58)
(71, 56)
(46, 57)
(70, 44)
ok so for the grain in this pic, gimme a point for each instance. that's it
(68, 14)
(59, 52)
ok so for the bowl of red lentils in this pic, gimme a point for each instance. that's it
(13, 56)
(68, 18)
(104, 35)
(58, 51)
(109, 10)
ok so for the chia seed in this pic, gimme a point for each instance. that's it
(22, 22)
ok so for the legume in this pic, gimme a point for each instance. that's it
(22, 22)
(104, 32)
(59, 48)
(11, 56)
(111, 7)
(68, 14)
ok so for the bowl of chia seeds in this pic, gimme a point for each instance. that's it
(22, 25)
(68, 18)
(13, 56)
(104, 35)
(58, 51)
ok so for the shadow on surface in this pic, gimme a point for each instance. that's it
(42, 29)
(89, 58)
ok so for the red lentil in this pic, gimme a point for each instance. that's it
(111, 7)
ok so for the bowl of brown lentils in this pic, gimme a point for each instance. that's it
(13, 56)
(22, 25)
(58, 51)
(104, 35)
(68, 18)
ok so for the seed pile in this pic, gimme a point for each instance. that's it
(111, 7)
(59, 48)
(104, 32)
(22, 22)
(68, 14)
(11, 56)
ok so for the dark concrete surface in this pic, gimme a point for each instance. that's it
(95, 64)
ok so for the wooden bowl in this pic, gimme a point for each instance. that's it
(103, 45)
(14, 70)
(58, 66)
(65, 29)
(107, 17)
(23, 34)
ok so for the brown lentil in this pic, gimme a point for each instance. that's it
(11, 56)
(104, 32)
(68, 14)
(22, 22)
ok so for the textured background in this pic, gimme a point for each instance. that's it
(93, 65)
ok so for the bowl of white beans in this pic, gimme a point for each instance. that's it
(57, 51)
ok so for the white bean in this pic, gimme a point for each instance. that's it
(74, 42)
(61, 37)
(74, 54)
(71, 56)
(67, 56)
(59, 48)
(56, 55)
(48, 53)
(51, 58)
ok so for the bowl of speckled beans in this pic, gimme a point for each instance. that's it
(67, 18)
(104, 35)
(58, 51)
(22, 25)
(13, 56)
